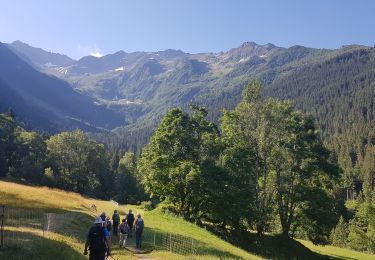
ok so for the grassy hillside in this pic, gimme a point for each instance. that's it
(69, 244)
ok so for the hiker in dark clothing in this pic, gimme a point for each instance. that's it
(108, 224)
(130, 221)
(98, 241)
(116, 222)
(139, 225)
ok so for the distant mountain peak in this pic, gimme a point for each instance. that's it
(119, 53)
(171, 53)
(254, 44)
(248, 44)
(249, 49)
(38, 56)
(18, 42)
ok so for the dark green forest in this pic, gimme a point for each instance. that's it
(68, 160)
(263, 166)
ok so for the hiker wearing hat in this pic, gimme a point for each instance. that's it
(98, 241)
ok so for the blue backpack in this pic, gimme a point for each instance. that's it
(140, 224)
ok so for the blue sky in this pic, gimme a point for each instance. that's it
(80, 27)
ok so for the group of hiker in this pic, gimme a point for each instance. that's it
(99, 236)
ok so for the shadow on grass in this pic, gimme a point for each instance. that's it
(275, 247)
(68, 223)
(64, 222)
(156, 239)
(30, 246)
(74, 224)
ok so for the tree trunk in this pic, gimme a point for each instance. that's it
(260, 230)
(285, 233)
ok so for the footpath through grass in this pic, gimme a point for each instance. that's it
(69, 244)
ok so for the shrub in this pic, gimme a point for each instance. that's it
(340, 233)
(147, 205)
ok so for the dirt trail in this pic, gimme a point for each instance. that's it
(138, 253)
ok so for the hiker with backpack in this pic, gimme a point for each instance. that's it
(98, 241)
(116, 222)
(124, 231)
(139, 225)
(130, 221)
(108, 224)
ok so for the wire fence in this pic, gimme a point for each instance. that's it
(173, 243)
(14, 223)
(17, 223)
(58, 222)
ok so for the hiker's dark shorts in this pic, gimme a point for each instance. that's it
(97, 256)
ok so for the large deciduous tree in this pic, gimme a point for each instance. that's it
(177, 162)
(31, 156)
(79, 163)
(22, 153)
(280, 165)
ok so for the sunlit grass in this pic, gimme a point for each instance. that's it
(341, 253)
(19, 195)
(54, 200)
(70, 244)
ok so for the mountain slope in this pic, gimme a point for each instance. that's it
(39, 56)
(46, 102)
(339, 91)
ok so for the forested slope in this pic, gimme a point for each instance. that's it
(340, 92)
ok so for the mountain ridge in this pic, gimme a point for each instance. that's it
(46, 100)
